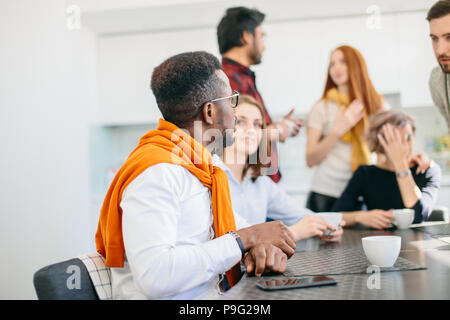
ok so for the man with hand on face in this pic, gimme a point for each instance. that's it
(439, 18)
(241, 44)
(167, 228)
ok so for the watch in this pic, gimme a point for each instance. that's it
(238, 240)
(402, 174)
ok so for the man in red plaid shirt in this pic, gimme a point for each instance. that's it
(241, 45)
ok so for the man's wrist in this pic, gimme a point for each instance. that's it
(247, 238)
(274, 132)
(239, 242)
(280, 129)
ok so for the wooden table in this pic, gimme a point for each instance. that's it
(417, 246)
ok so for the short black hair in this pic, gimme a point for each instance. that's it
(233, 24)
(439, 10)
(182, 83)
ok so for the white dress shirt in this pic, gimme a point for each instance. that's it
(168, 233)
(255, 201)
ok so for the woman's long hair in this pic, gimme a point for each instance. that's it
(359, 84)
(260, 160)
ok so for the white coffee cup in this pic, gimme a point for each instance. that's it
(382, 251)
(403, 218)
(333, 218)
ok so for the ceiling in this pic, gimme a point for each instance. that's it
(113, 17)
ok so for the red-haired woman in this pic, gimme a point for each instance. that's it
(335, 128)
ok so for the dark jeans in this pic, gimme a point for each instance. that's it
(319, 202)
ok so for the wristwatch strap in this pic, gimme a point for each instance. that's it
(238, 240)
(403, 174)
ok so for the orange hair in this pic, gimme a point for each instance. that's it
(359, 84)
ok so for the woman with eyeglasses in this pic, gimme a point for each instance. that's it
(254, 196)
(335, 146)
(393, 183)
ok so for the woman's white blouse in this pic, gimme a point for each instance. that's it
(262, 199)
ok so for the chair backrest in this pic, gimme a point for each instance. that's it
(67, 280)
(440, 213)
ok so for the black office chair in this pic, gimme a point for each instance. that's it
(439, 213)
(70, 280)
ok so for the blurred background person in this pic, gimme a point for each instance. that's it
(393, 183)
(439, 18)
(241, 44)
(254, 196)
(335, 127)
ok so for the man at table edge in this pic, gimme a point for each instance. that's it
(166, 228)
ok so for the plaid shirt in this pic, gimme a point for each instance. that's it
(99, 273)
(242, 79)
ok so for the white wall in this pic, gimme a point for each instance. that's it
(47, 98)
(293, 72)
(126, 64)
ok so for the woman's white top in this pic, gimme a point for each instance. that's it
(255, 201)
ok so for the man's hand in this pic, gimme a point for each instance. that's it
(265, 257)
(377, 219)
(296, 124)
(288, 127)
(274, 232)
(278, 131)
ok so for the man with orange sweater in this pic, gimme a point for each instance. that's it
(166, 228)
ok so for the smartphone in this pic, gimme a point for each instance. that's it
(282, 283)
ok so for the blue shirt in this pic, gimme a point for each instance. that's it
(261, 199)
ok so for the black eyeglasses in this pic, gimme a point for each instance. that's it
(234, 99)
